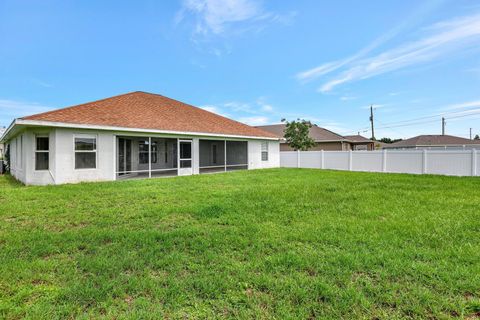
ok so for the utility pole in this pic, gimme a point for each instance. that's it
(371, 121)
(470, 133)
(443, 126)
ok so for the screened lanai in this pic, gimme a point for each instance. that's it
(143, 157)
(222, 155)
(149, 157)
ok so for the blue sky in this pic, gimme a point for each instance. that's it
(251, 60)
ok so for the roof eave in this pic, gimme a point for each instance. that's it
(127, 129)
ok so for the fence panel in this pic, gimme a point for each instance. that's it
(312, 159)
(444, 162)
(288, 159)
(405, 161)
(455, 163)
(367, 161)
(337, 160)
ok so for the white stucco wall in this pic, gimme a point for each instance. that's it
(62, 156)
(255, 155)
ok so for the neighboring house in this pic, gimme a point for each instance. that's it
(324, 139)
(2, 146)
(133, 135)
(358, 142)
(435, 142)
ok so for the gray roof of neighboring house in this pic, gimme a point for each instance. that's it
(316, 133)
(358, 139)
(432, 140)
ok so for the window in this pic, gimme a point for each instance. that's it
(143, 152)
(264, 150)
(85, 153)
(166, 151)
(41, 153)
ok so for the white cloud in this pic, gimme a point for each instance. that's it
(463, 105)
(408, 22)
(213, 109)
(445, 38)
(347, 98)
(255, 121)
(11, 109)
(216, 17)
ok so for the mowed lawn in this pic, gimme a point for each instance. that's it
(277, 243)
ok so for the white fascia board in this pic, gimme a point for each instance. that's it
(125, 129)
(3, 138)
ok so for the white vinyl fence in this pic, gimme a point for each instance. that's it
(444, 162)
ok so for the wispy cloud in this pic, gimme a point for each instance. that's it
(441, 39)
(347, 98)
(216, 17)
(463, 105)
(255, 120)
(11, 109)
(408, 22)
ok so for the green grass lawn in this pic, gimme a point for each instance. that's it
(278, 243)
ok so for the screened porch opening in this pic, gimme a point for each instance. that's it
(222, 155)
(146, 157)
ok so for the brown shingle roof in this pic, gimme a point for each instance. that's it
(358, 138)
(144, 110)
(432, 140)
(316, 133)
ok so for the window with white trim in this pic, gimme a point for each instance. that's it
(85, 152)
(42, 152)
(264, 150)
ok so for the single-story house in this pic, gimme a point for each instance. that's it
(133, 135)
(324, 139)
(435, 142)
(358, 142)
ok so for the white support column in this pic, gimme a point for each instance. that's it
(298, 158)
(323, 159)
(149, 157)
(225, 155)
(350, 160)
(474, 162)
(384, 161)
(424, 162)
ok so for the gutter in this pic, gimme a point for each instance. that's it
(125, 129)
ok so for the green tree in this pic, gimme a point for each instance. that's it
(389, 140)
(297, 134)
(477, 137)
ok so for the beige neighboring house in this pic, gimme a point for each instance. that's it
(324, 139)
(358, 142)
(435, 142)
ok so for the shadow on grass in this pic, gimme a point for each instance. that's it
(7, 180)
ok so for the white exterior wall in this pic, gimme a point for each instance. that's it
(62, 156)
(255, 155)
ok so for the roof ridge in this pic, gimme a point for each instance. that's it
(79, 105)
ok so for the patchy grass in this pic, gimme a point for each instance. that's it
(280, 243)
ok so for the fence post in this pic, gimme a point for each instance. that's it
(424, 162)
(474, 162)
(323, 160)
(350, 159)
(384, 161)
(298, 158)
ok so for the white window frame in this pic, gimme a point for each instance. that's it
(85, 136)
(41, 151)
(264, 150)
